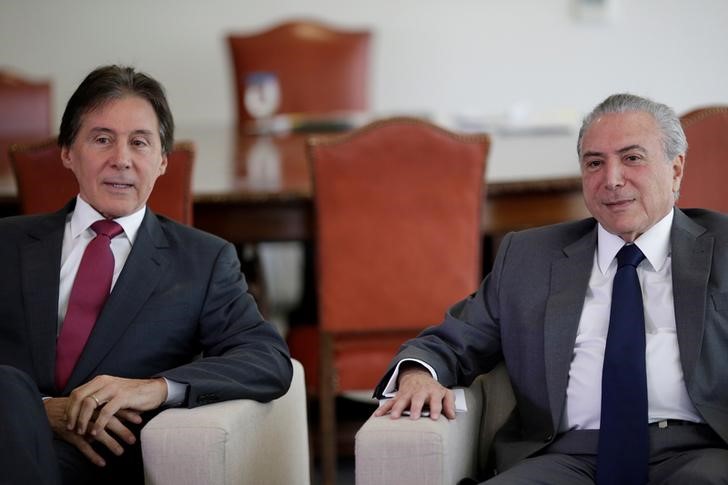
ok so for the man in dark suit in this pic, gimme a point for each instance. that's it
(176, 293)
(544, 310)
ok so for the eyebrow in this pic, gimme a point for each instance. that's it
(626, 149)
(630, 148)
(101, 129)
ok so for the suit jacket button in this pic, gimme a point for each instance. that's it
(548, 438)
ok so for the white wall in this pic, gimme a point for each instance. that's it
(475, 56)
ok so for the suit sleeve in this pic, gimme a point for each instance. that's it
(243, 356)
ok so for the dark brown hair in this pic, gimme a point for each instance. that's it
(114, 82)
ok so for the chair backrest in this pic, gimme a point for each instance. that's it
(25, 107)
(397, 207)
(25, 112)
(706, 166)
(36, 165)
(319, 69)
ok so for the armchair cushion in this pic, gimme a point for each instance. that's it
(441, 452)
(233, 442)
(424, 451)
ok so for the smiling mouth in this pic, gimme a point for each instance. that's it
(619, 203)
(118, 185)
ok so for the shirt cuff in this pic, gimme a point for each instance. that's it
(391, 388)
(176, 392)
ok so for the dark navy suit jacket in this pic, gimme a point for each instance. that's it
(180, 295)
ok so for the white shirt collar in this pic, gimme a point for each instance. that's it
(84, 215)
(654, 244)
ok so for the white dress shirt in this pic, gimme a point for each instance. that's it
(666, 392)
(76, 236)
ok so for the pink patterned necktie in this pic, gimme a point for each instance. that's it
(88, 295)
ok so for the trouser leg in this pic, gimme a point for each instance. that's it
(549, 469)
(26, 440)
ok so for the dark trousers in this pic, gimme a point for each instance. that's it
(26, 440)
(29, 454)
(679, 454)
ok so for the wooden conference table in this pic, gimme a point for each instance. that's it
(249, 189)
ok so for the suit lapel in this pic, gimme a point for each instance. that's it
(691, 263)
(40, 279)
(141, 274)
(569, 281)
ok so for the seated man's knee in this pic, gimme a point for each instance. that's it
(707, 467)
(15, 382)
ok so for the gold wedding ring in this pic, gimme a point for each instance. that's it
(95, 399)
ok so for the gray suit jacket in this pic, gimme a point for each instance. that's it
(180, 294)
(527, 311)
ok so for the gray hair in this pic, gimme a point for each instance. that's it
(673, 136)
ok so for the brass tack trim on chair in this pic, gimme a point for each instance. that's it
(36, 145)
(700, 114)
(329, 140)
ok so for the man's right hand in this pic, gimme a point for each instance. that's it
(56, 411)
(416, 390)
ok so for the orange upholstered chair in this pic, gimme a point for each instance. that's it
(706, 166)
(25, 112)
(45, 185)
(25, 106)
(319, 69)
(397, 211)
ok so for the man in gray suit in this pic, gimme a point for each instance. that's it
(544, 311)
(176, 293)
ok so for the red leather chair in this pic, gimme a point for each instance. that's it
(397, 211)
(706, 166)
(25, 112)
(45, 185)
(319, 69)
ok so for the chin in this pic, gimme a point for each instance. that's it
(619, 229)
(114, 212)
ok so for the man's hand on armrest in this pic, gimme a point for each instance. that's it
(109, 396)
(418, 390)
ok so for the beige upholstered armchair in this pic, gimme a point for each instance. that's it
(239, 442)
(426, 452)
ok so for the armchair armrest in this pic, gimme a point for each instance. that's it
(402, 451)
(233, 442)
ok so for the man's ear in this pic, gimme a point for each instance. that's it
(678, 168)
(163, 165)
(66, 157)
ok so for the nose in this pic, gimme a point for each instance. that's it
(614, 175)
(121, 157)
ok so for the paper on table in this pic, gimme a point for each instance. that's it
(461, 406)
(336, 121)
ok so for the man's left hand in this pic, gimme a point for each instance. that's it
(111, 396)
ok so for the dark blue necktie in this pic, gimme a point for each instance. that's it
(623, 435)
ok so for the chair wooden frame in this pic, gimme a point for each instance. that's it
(329, 335)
